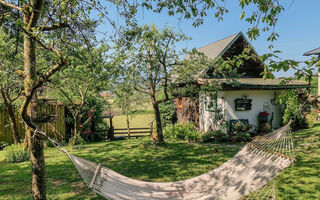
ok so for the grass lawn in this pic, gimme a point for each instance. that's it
(302, 181)
(136, 121)
(172, 162)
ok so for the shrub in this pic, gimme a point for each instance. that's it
(308, 120)
(220, 136)
(3, 145)
(168, 113)
(236, 136)
(292, 103)
(147, 142)
(241, 137)
(79, 144)
(207, 137)
(185, 132)
(15, 153)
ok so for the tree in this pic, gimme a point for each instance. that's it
(127, 99)
(48, 25)
(11, 85)
(151, 56)
(88, 74)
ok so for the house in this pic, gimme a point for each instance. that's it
(243, 101)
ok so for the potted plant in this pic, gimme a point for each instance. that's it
(264, 116)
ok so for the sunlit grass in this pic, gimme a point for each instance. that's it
(136, 121)
(171, 162)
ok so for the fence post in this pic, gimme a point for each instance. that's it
(110, 134)
(151, 128)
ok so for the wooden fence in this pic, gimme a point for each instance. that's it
(123, 132)
(134, 132)
(56, 128)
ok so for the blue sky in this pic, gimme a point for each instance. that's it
(298, 27)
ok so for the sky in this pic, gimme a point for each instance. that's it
(298, 27)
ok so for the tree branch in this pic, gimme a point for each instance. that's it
(139, 90)
(67, 96)
(10, 5)
(55, 27)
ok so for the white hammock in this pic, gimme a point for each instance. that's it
(252, 167)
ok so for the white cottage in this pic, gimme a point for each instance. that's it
(244, 101)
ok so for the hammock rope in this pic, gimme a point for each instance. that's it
(242, 177)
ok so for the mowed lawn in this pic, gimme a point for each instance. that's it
(171, 162)
(136, 121)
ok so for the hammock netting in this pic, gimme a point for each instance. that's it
(242, 177)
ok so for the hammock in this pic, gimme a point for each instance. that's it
(257, 163)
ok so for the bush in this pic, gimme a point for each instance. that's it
(292, 103)
(236, 136)
(308, 120)
(147, 142)
(168, 113)
(241, 137)
(3, 145)
(15, 154)
(220, 136)
(185, 132)
(208, 137)
(79, 144)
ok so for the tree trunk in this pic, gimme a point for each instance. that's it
(12, 117)
(128, 123)
(158, 120)
(35, 143)
(75, 130)
(13, 125)
(38, 165)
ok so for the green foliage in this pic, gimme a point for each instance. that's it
(92, 120)
(185, 132)
(147, 142)
(127, 99)
(15, 153)
(290, 99)
(240, 136)
(220, 136)
(80, 143)
(3, 144)
(308, 120)
(208, 137)
(292, 105)
(304, 118)
(168, 113)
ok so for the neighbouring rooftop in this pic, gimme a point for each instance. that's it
(312, 52)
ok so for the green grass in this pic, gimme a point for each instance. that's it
(171, 162)
(136, 121)
(302, 181)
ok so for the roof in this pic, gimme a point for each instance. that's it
(312, 52)
(257, 83)
(217, 48)
(220, 48)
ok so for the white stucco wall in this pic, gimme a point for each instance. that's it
(206, 118)
(226, 102)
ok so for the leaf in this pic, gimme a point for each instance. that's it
(242, 14)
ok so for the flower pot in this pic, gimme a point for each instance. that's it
(263, 119)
